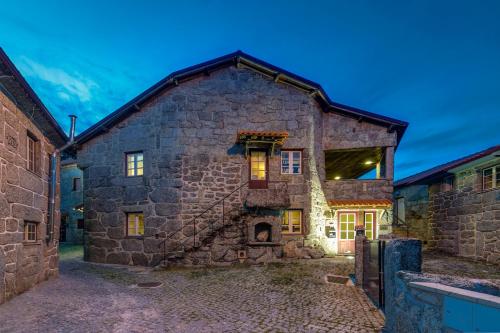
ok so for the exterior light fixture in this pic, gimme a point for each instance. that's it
(337, 177)
(368, 162)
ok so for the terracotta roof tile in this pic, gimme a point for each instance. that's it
(360, 202)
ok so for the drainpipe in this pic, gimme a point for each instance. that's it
(53, 178)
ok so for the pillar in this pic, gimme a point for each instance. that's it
(389, 163)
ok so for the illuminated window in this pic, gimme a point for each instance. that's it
(30, 231)
(292, 222)
(347, 221)
(291, 162)
(369, 225)
(135, 164)
(33, 153)
(258, 169)
(135, 224)
(491, 178)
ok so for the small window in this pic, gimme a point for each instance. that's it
(292, 222)
(77, 183)
(135, 224)
(80, 224)
(447, 184)
(291, 162)
(33, 152)
(491, 178)
(30, 231)
(370, 225)
(135, 164)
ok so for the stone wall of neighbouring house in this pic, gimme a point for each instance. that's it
(70, 200)
(191, 159)
(466, 223)
(416, 213)
(23, 197)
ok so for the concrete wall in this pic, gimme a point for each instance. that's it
(71, 199)
(191, 159)
(23, 197)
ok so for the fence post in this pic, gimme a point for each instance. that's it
(359, 259)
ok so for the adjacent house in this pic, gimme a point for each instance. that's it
(72, 223)
(29, 193)
(454, 207)
(234, 160)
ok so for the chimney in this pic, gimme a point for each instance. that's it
(72, 128)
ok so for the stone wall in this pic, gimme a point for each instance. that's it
(23, 197)
(416, 201)
(358, 189)
(191, 159)
(71, 199)
(466, 223)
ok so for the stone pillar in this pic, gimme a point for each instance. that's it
(389, 163)
(399, 255)
(359, 259)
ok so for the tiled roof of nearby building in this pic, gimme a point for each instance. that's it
(440, 170)
(360, 202)
(23, 96)
(241, 59)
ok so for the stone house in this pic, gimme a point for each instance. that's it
(454, 207)
(234, 160)
(72, 222)
(28, 178)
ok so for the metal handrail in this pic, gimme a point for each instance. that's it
(163, 242)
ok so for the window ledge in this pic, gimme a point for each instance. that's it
(134, 237)
(32, 243)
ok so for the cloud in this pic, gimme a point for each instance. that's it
(66, 85)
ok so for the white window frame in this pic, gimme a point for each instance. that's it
(290, 224)
(290, 162)
(135, 161)
(136, 224)
(28, 232)
(494, 170)
(347, 231)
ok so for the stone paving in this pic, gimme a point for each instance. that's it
(288, 297)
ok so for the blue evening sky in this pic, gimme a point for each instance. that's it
(435, 64)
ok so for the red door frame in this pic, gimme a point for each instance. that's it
(348, 243)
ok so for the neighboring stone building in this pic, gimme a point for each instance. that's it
(28, 134)
(455, 207)
(72, 223)
(286, 158)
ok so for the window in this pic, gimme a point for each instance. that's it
(258, 169)
(347, 221)
(491, 177)
(369, 225)
(400, 210)
(33, 152)
(135, 164)
(447, 184)
(79, 224)
(135, 224)
(77, 183)
(291, 162)
(292, 222)
(30, 231)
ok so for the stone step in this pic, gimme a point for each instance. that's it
(175, 254)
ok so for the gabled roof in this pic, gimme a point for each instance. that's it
(240, 58)
(22, 95)
(441, 170)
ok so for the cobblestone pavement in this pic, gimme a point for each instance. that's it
(290, 297)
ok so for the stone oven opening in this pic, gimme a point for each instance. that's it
(263, 232)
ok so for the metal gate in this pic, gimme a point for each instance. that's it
(373, 283)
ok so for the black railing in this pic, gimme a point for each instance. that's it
(220, 201)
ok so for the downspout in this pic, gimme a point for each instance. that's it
(53, 179)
